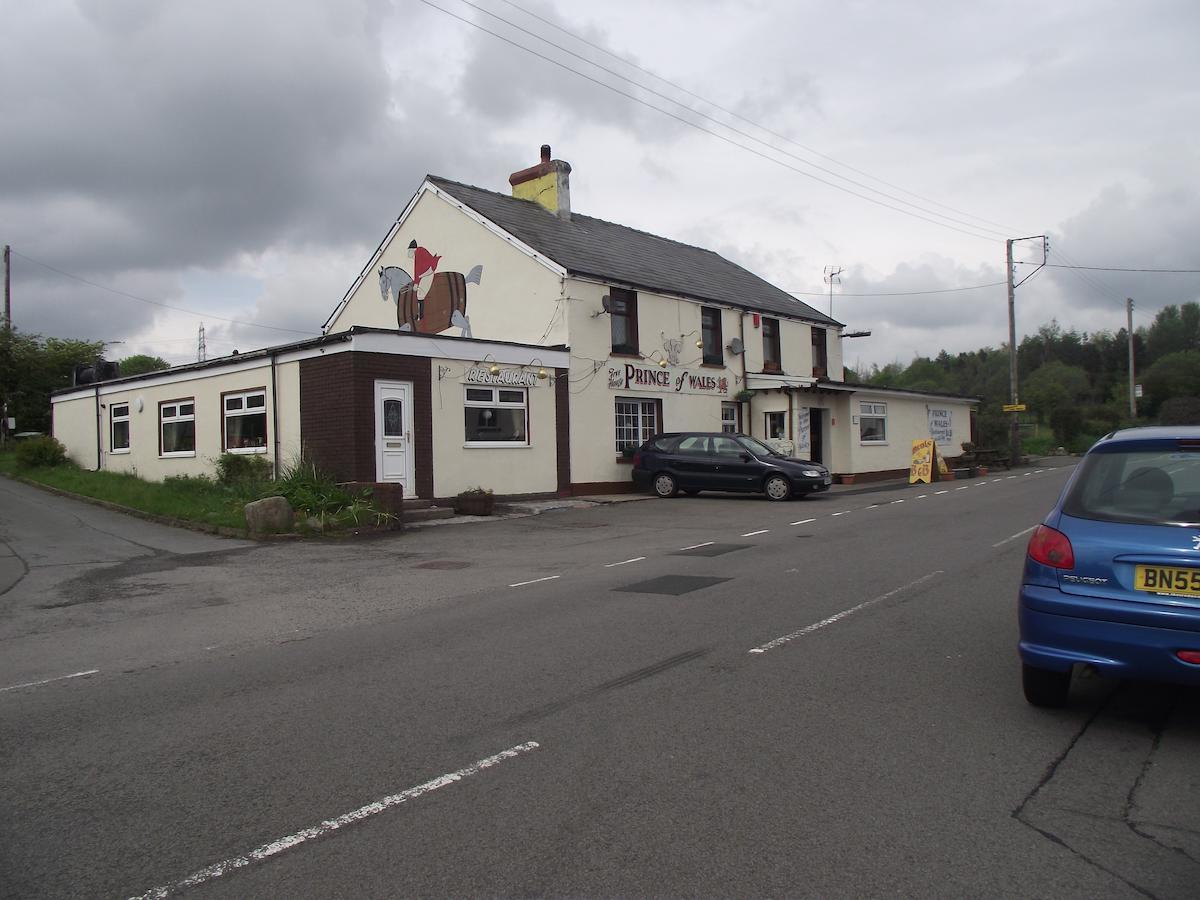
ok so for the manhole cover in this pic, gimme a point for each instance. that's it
(443, 564)
(674, 585)
(711, 550)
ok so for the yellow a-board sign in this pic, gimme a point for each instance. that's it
(1014, 407)
(921, 468)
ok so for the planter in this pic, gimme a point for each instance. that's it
(474, 505)
(846, 479)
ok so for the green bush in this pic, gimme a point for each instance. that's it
(238, 468)
(310, 490)
(40, 452)
(1039, 445)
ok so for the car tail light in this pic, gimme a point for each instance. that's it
(1189, 656)
(637, 458)
(1051, 548)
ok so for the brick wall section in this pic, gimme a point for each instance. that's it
(337, 413)
(562, 424)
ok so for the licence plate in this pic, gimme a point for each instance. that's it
(829, 479)
(1169, 580)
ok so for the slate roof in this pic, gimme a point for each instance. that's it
(609, 252)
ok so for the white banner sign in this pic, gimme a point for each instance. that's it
(941, 426)
(668, 380)
(803, 433)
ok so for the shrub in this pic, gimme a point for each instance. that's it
(310, 490)
(238, 468)
(40, 452)
(1039, 445)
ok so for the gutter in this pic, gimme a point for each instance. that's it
(274, 422)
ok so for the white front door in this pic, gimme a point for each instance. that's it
(393, 433)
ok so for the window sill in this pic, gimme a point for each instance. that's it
(713, 365)
(245, 451)
(872, 443)
(772, 370)
(124, 452)
(496, 445)
(626, 354)
(182, 454)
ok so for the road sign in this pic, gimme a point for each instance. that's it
(1014, 407)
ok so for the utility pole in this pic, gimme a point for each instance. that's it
(1014, 428)
(7, 289)
(1129, 331)
(201, 346)
(831, 278)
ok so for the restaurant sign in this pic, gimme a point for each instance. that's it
(668, 380)
(505, 377)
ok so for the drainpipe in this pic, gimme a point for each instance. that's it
(99, 426)
(274, 422)
(745, 387)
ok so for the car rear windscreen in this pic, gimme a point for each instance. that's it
(1160, 487)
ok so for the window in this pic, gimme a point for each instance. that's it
(496, 415)
(637, 421)
(872, 423)
(820, 353)
(729, 417)
(245, 422)
(771, 357)
(177, 427)
(710, 336)
(693, 444)
(118, 417)
(776, 425)
(623, 307)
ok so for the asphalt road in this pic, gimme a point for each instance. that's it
(713, 696)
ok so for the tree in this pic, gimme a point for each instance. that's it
(1174, 375)
(140, 364)
(1180, 411)
(32, 367)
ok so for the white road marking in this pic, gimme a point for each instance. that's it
(15, 687)
(1014, 536)
(535, 581)
(836, 617)
(624, 562)
(844, 512)
(939, 493)
(980, 483)
(753, 533)
(1012, 476)
(1027, 474)
(997, 480)
(266, 851)
(1038, 471)
(963, 488)
(901, 501)
(803, 522)
(695, 546)
(922, 496)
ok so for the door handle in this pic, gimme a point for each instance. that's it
(408, 437)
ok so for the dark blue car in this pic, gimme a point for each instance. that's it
(1112, 575)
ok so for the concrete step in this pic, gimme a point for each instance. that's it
(426, 513)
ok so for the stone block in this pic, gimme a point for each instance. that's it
(271, 515)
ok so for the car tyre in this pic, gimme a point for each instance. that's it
(1045, 687)
(776, 487)
(665, 485)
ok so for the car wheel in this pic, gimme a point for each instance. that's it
(1045, 687)
(664, 485)
(777, 488)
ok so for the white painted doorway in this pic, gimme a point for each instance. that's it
(393, 434)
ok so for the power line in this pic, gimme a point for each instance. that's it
(1113, 268)
(181, 309)
(740, 117)
(718, 122)
(721, 137)
(974, 287)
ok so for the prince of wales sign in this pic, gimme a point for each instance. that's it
(668, 380)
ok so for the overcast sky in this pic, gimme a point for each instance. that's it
(242, 160)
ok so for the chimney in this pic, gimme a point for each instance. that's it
(548, 184)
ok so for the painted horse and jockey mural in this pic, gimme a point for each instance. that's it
(428, 301)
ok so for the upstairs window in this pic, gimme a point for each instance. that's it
(177, 427)
(820, 353)
(246, 422)
(710, 336)
(872, 423)
(118, 417)
(772, 361)
(623, 313)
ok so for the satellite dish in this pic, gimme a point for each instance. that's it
(606, 302)
(736, 347)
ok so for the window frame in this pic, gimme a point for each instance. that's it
(782, 418)
(496, 403)
(113, 421)
(629, 314)
(735, 420)
(643, 403)
(772, 349)
(244, 411)
(711, 337)
(876, 410)
(820, 351)
(176, 419)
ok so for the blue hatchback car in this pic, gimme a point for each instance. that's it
(1112, 575)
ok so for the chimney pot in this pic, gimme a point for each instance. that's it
(545, 153)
